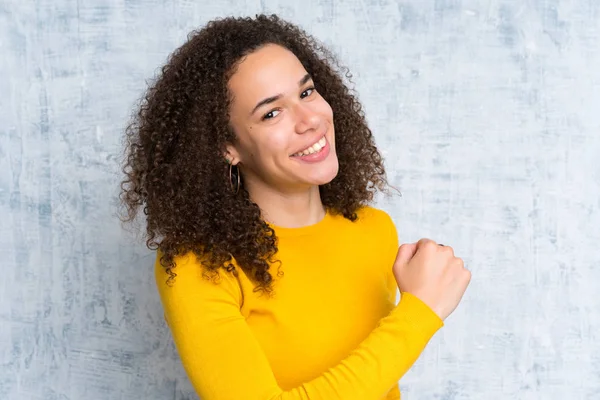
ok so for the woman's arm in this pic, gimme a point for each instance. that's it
(224, 360)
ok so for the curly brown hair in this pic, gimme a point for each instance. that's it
(174, 163)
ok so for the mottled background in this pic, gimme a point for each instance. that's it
(488, 113)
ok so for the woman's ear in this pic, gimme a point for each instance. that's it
(231, 155)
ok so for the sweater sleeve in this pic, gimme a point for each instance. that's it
(223, 360)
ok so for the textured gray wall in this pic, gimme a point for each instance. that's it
(488, 114)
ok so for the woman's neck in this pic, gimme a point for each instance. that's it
(289, 210)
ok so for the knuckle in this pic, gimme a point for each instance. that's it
(429, 245)
(465, 274)
(448, 249)
(424, 241)
(404, 245)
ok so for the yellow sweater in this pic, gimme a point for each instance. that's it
(331, 331)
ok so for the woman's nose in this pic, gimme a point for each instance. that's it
(306, 119)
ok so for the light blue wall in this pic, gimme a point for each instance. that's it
(488, 113)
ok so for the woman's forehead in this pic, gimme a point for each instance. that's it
(269, 71)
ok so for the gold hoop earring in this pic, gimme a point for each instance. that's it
(234, 178)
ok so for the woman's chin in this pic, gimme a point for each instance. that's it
(324, 175)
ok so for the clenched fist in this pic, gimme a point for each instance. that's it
(432, 273)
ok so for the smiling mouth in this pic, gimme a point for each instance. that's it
(315, 148)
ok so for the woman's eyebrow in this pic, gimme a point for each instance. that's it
(273, 99)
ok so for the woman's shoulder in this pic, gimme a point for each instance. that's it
(374, 216)
(379, 225)
(189, 274)
(184, 264)
(189, 291)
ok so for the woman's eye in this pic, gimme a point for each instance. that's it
(270, 114)
(307, 92)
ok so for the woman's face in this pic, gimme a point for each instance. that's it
(284, 128)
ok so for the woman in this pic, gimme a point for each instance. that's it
(254, 167)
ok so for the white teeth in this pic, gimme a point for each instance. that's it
(312, 149)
